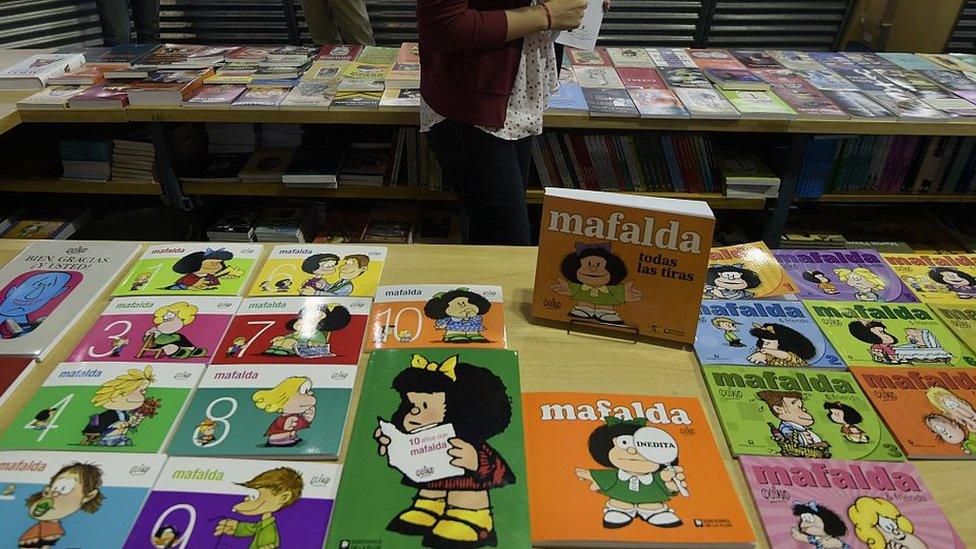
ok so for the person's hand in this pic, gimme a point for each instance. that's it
(566, 14)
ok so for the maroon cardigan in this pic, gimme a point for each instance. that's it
(468, 67)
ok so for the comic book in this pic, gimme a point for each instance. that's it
(437, 315)
(159, 329)
(762, 333)
(268, 411)
(185, 268)
(127, 407)
(929, 411)
(295, 330)
(435, 420)
(797, 413)
(867, 334)
(746, 271)
(636, 471)
(73, 501)
(846, 504)
(843, 275)
(237, 504)
(47, 287)
(320, 270)
(937, 278)
(960, 318)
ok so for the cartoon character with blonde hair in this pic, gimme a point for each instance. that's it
(165, 337)
(956, 409)
(879, 524)
(126, 405)
(294, 401)
(865, 283)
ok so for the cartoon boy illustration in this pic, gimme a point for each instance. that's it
(730, 282)
(275, 490)
(635, 485)
(294, 402)
(139, 281)
(205, 432)
(310, 332)
(955, 408)
(821, 280)
(848, 418)
(460, 314)
(730, 327)
(165, 337)
(118, 344)
(319, 266)
(793, 434)
(951, 432)
(876, 334)
(123, 399)
(19, 301)
(779, 345)
(819, 526)
(236, 345)
(593, 277)
(166, 537)
(75, 487)
(42, 418)
(865, 283)
(879, 523)
(203, 270)
(963, 283)
(454, 511)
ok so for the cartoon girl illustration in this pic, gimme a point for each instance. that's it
(876, 334)
(203, 270)
(294, 401)
(139, 281)
(951, 432)
(879, 523)
(456, 511)
(865, 283)
(730, 282)
(319, 266)
(848, 418)
(964, 284)
(636, 486)
(165, 337)
(819, 526)
(460, 314)
(821, 280)
(311, 332)
(594, 278)
(779, 345)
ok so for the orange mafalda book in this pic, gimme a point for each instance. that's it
(618, 260)
(636, 471)
(746, 271)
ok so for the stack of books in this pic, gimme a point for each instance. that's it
(313, 168)
(747, 176)
(134, 159)
(235, 224)
(89, 160)
(366, 164)
(286, 223)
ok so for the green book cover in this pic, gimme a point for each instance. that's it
(867, 334)
(960, 318)
(378, 55)
(104, 407)
(758, 103)
(436, 457)
(191, 269)
(797, 413)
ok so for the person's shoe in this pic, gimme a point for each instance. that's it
(737, 344)
(463, 528)
(664, 518)
(617, 518)
(580, 312)
(477, 338)
(419, 518)
(608, 317)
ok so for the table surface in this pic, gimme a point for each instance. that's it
(552, 360)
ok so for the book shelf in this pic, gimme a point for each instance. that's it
(28, 185)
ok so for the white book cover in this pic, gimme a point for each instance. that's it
(630, 57)
(706, 103)
(47, 287)
(36, 70)
(310, 94)
(51, 97)
(584, 36)
(598, 77)
(671, 57)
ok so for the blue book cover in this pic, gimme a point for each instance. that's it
(762, 333)
(568, 98)
(909, 61)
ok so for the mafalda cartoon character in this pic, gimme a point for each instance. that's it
(779, 345)
(311, 332)
(639, 483)
(962, 283)
(460, 314)
(731, 282)
(819, 526)
(593, 277)
(453, 512)
(75, 487)
(204, 270)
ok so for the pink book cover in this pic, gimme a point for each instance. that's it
(219, 94)
(583, 58)
(338, 52)
(104, 91)
(715, 59)
(157, 329)
(409, 53)
(641, 77)
(805, 503)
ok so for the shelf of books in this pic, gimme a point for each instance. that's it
(892, 198)
(78, 186)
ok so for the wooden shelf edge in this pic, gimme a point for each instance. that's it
(77, 187)
(890, 198)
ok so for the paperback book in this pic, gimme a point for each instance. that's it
(594, 57)
(51, 97)
(289, 330)
(641, 77)
(104, 407)
(826, 80)
(653, 103)
(320, 270)
(756, 59)
(905, 104)
(611, 102)
(104, 95)
(736, 79)
(267, 411)
(714, 59)
(706, 103)
(191, 269)
(795, 60)
(339, 52)
(960, 318)
(858, 105)
(634, 471)
(569, 97)
(843, 275)
(237, 504)
(833, 59)
(758, 104)
(429, 421)
(599, 78)
(630, 57)
(61, 498)
(351, 100)
(257, 97)
(685, 78)
(215, 96)
(35, 71)
(937, 278)
(309, 95)
(671, 57)
(746, 271)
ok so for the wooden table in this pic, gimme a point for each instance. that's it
(552, 360)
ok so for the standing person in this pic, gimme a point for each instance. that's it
(338, 22)
(116, 23)
(489, 67)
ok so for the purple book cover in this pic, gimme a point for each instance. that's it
(843, 275)
(806, 503)
(237, 504)
(157, 329)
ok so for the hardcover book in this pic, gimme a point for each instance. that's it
(186, 268)
(104, 407)
(268, 411)
(437, 315)
(62, 498)
(13, 370)
(834, 503)
(290, 330)
(843, 275)
(868, 334)
(705, 103)
(746, 271)
(937, 278)
(776, 333)
(46, 288)
(658, 103)
(758, 104)
(158, 329)
(635, 471)
(960, 318)
(621, 261)
(435, 421)
(237, 504)
(320, 270)
(797, 413)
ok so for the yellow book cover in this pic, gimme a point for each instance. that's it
(320, 270)
(746, 271)
(937, 277)
(960, 318)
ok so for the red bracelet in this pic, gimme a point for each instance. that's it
(548, 16)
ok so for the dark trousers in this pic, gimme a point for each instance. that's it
(489, 175)
(116, 23)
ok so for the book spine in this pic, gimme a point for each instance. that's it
(557, 153)
(624, 181)
(539, 164)
(636, 169)
(585, 162)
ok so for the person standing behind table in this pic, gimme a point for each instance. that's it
(489, 67)
(116, 23)
(338, 22)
